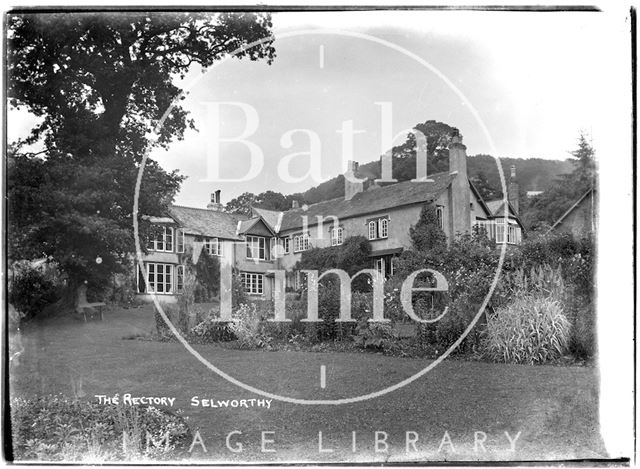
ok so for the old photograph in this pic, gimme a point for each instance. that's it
(318, 235)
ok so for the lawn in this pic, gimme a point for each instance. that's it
(553, 408)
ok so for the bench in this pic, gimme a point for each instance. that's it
(84, 307)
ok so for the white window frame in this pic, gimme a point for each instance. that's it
(337, 236)
(179, 278)
(286, 245)
(301, 242)
(179, 241)
(500, 231)
(383, 228)
(160, 243)
(373, 230)
(253, 249)
(152, 272)
(213, 246)
(252, 283)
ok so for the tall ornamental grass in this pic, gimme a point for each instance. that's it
(531, 330)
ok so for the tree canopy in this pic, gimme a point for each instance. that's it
(100, 83)
(268, 200)
(546, 208)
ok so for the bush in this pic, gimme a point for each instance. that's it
(52, 428)
(31, 290)
(376, 336)
(532, 329)
(210, 330)
(247, 327)
(173, 313)
(351, 256)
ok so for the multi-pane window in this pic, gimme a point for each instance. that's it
(383, 228)
(163, 241)
(337, 236)
(301, 242)
(256, 247)
(213, 246)
(252, 283)
(513, 235)
(373, 232)
(179, 278)
(378, 228)
(286, 244)
(160, 277)
(500, 229)
(179, 241)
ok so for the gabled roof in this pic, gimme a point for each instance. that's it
(253, 226)
(206, 222)
(496, 208)
(370, 201)
(571, 209)
(479, 198)
(271, 217)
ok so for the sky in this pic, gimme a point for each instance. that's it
(515, 84)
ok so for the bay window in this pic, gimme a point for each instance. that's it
(256, 248)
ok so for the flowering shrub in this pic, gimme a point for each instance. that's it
(53, 428)
(209, 330)
(247, 328)
(532, 329)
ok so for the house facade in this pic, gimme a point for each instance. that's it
(382, 212)
(581, 218)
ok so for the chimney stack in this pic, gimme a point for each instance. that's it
(352, 184)
(215, 204)
(460, 199)
(513, 190)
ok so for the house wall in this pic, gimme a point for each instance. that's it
(174, 258)
(255, 266)
(580, 221)
(400, 219)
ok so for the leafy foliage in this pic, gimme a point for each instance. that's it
(100, 84)
(549, 206)
(426, 235)
(351, 256)
(269, 200)
(532, 330)
(31, 288)
(52, 428)
(247, 327)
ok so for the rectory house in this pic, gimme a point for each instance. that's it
(270, 240)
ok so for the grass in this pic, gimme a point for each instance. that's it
(554, 408)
